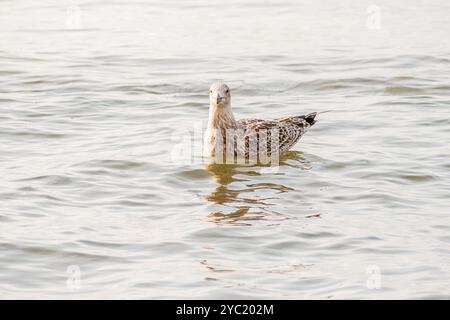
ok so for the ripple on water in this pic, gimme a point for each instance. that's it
(402, 90)
(113, 164)
(57, 180)
(197, 174)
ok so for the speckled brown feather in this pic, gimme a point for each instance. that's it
(290, 130)
(287, 131)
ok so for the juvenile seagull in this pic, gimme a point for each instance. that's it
(226, 135)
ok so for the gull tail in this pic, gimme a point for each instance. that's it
(310, 118)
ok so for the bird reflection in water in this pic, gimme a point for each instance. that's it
(242, 209)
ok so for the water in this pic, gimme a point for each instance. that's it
(100, 200)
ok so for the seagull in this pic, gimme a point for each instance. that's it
(248, 138)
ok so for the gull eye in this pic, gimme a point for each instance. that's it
(228, 91)
(210, 91)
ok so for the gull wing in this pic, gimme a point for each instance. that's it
(289, 129)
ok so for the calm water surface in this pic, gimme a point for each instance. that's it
(101, 198)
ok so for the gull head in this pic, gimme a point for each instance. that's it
(219, 95)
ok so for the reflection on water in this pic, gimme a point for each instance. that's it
(242, 203)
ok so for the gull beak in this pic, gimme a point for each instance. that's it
(219, 98)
